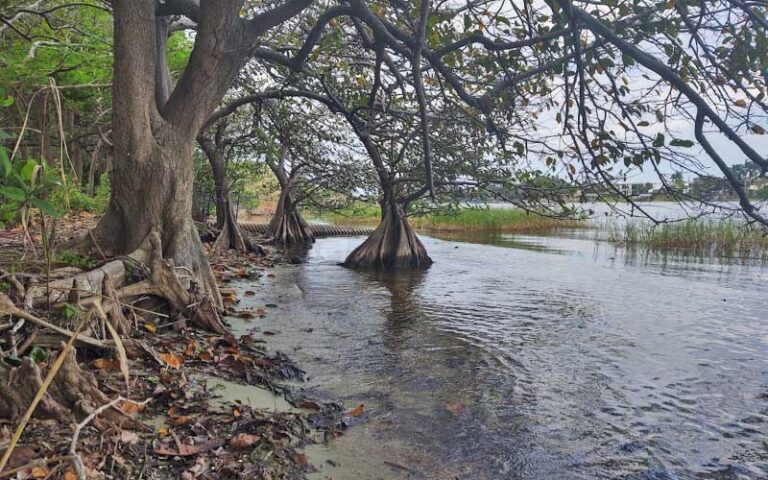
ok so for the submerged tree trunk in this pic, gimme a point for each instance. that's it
(287, 226)
(392, 246)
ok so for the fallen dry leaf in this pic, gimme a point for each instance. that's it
(206, 356)
(455, 408)
(191, 346)
(300, 459)
(130, 407)
(171, 360)
(243, 441)
(189, 450)
(39, 472)
(150, 327)
(249, 293)
(175, 412)
(310, 405)
(70, 475)
(105, 364)
(356, 412)
(182, 420)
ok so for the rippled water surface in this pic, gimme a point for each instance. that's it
(532, 358)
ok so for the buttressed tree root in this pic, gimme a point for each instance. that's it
(96, 294)
(287, 226)
(392, 246)
(72, 395)
(231, 236)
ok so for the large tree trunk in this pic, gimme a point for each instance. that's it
(392, 246)
(153, 171)
(231, 237)
(287, 226)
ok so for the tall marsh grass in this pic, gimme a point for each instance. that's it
(507, 220)
(719, 238)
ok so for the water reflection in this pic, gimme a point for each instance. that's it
(573, 361)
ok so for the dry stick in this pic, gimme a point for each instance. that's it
(39, 395)
(61, 458)
(7, 307)
(76, 460)
(88, 300)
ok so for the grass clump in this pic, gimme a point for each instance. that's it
(718, 238)
(509, 220)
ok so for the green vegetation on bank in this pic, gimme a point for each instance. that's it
(717, 238)
(463, 220)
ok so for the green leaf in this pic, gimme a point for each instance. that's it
(69, 310)
(681, 143)
(643, 124)
(7, 167)
(28, 170)
(659, 141)
(14, 193)
(38, 354)
(45, 207)
(467, 22)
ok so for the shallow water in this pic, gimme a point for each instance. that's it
(519, 357)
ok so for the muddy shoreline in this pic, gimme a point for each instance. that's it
(197, 405)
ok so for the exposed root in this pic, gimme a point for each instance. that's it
(72, 395)
(231, 237)
(392, 246)
(287, 226)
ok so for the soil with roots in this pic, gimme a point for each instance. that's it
(131, 397)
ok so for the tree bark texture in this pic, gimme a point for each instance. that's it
(287, 226)
(392, 246)
(152, 176)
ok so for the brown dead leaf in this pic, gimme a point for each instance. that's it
(191, 347)
(171, 360)
(249, 293)
(130, 407)
(70, 475)
(236, 412)
(310, 405)
(206, 356)
(263, 362)
(356, 412)
(182, 420)
(189, 450)
(105, 364)
(175, 412)
(39, 472)
(150, 327)
(243, 441)
(455, 408)
(300, 459)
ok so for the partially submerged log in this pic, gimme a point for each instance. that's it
(392, 246)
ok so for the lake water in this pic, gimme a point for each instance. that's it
(525, 357)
